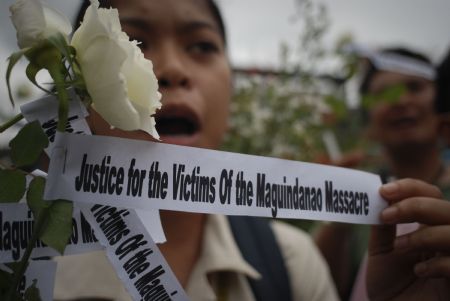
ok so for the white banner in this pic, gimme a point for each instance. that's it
(16, 228)
(45, 111)
(133, 253)
(42, 272)
(138, 174)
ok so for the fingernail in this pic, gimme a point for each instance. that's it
(389, 214)
(401, 242)
(389, 188)
(420, 269)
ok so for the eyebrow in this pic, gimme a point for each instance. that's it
(197, 25)
(185, 27)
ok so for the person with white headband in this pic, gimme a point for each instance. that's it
(404, 123)
(398, 90)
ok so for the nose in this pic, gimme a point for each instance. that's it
(170, 67)
(405, 98)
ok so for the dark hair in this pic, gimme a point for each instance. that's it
(442, 103)
(372, 70)
(107, 3)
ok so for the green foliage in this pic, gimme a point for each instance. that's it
(7, 280)
(31, 72)
(337, 105)
(285, 114)
(12, 186)
(32, 293)
(12, 61)
(58, 214)
(53, 225)
(390, 95)
(52, 219)
(271, 119)
(28, 145)
(68, 52)
(57, 232)
(34, 196)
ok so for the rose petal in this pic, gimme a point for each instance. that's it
(27, 17)
(56, 22)
(101, 65)
(35, 21)
(120, 81)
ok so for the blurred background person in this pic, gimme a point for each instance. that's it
(399, 91)
(397, 98)
(399, 87)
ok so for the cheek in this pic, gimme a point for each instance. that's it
(377, 115)
(217, 107)
(217, 99)
(100, 127)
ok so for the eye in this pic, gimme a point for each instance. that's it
(203, 47)
(415, 86)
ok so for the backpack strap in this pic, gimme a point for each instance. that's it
(258, 246)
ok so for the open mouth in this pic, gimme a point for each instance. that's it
(176, 126)
(403, 122)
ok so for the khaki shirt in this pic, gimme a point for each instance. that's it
(220, 268)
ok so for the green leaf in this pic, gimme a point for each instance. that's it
(32, 292)
(63, 97)
(6, 280)
(35, 196)
(12, 186)
(12, 61)
(337, 105)
(392, 94)
(72, 50)
(28, 145)
(58, 226)
(57, 232)
(31, 71)
(368, 101)
(14, 266)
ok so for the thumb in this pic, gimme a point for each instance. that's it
(381, 239)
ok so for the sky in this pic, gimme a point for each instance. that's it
(256, 28)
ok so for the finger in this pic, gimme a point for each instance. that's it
(434, 267)
(381, 239)
(436, 239)
(422, 210)
(406, 188)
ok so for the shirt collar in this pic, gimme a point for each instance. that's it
(219, 254)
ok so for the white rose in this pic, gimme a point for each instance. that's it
(120, 81)
(35, 21)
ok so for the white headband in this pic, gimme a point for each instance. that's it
(396, 62)
(403, 64)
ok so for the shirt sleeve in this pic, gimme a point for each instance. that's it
(308, 273)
